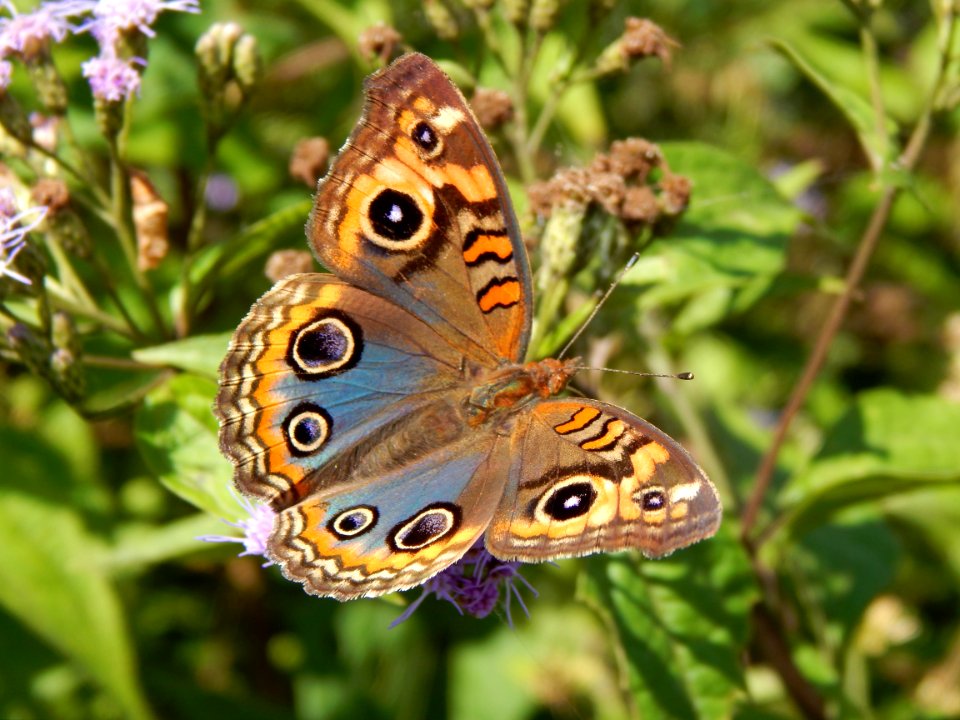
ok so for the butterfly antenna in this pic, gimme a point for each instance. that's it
(593, 313)
(685, 375)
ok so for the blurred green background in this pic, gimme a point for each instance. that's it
(848, 604)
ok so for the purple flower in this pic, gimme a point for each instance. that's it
(472, 585)
(111, 78)
(14, 227)
(256, 530)
(25, 34)
(116, 16)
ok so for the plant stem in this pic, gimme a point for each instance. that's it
(865, 249)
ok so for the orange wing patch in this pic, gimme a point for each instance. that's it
(581, 418)
(499, 292)
(494, 246)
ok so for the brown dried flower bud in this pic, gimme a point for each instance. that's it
(62, 223)
(640, 205)
(643, 38)
(674, 193)
(379, 41)
(634, 158)
(492, 107)
(284, 263)
(308, 161)
(51, 192)
(150, 213)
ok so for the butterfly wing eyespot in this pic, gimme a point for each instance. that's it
(307, 428)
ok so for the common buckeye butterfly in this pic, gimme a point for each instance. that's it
(385, 411)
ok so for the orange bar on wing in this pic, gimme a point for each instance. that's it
(613, 431)
(505, 295)
(499, 245)
(581, 418)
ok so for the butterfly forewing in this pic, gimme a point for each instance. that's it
(316, 368)
(415, 209)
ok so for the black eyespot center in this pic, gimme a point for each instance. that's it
(570, 501)
(395, 215)
(327, 345)
(307, 428)
(653, 500)
(354, 521)
(431, 524)
(426, 137)
(324, 344)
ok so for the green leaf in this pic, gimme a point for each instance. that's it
(227, 258)
(200, 354)
(843, 567)
(138, 546)
(500, 676)
(879, 143)
(680, 625)
(52, 581)
(888, 443)
(731, 241)
(177, 434)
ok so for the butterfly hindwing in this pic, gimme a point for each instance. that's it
(316, 368)
(590, 477)
(398, 527)
(415, 209)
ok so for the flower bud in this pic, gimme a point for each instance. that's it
(492, 107)
(379, 41)
(62, 223)
(309, 159)
(543, 14)
(150, 213)
(13, 119)
(441, 19)
(284, 263)
(247, 64)
(516, 11)
(49, 85)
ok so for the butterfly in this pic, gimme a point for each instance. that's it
(385, 411)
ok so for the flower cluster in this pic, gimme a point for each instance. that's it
(472, 584)
(256, 529)
(114, 75)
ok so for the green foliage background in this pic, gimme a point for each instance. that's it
(793, 120)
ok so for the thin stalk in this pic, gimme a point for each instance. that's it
(865, 249)
(63, 300)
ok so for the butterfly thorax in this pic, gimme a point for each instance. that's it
(509, 388)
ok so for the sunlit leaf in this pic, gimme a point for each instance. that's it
(177, 435)
(52, 580)
(679, 624)
(888, 443)
(200, 354)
